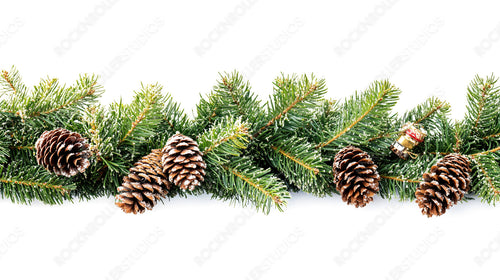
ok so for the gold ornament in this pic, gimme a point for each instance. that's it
(411, 135)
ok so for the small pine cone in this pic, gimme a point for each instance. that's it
(144, 186)
(444, 185)
(356, 176)
(183, 162)
(62, 152)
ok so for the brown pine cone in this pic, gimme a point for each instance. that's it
(356, 176)
(183, 162)
(144, 186)
(445, 185)
(62, 152)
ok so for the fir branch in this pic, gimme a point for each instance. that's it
(226, 139)
(35, 184)
(491, 136)
(400, 179)
(483, 97)
(255, 184)
(231, 96)
(77, 98)
(240, 132)
(359, 115)
(23, 147)
(486, 177)
(430, 108)
(142, 114)
(174, 119)
(25, 183)
(294, 99)
(241, 180)
(486, 152)
(11, 83)
(296, 160)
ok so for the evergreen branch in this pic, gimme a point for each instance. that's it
(9, 82)
(256, 185)
(399, 179)
(486, 177)
(482, 109)
(225, 139)
(4, 147)
(23, 147)
(69, 103)
(138, 120)
(481, 103)
(491, 136)
(25, 183)
(486, 152)
(296, 160)
(240, 132)
(361, 116)
(433, 109)
(300, 98)
(231, 96)
(142, 114)
(91, 117)
(35, 184)
(352, 124)
(231, 92)
(241, 180)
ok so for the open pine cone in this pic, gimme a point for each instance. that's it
(144, 186)
(62, 152)
(356, 176)
(183, 162)
(445, 185)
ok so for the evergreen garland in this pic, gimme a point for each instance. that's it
(256, 152)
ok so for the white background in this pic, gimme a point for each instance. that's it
(424, 47)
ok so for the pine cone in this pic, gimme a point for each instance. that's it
(356, 176)
(183, 162)
(144, 185)
(444, 185)
(62, 152)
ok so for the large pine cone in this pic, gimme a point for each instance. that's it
(183, 162)
(144, 186)
(62, 152)
(444, 185)
(356, 176)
